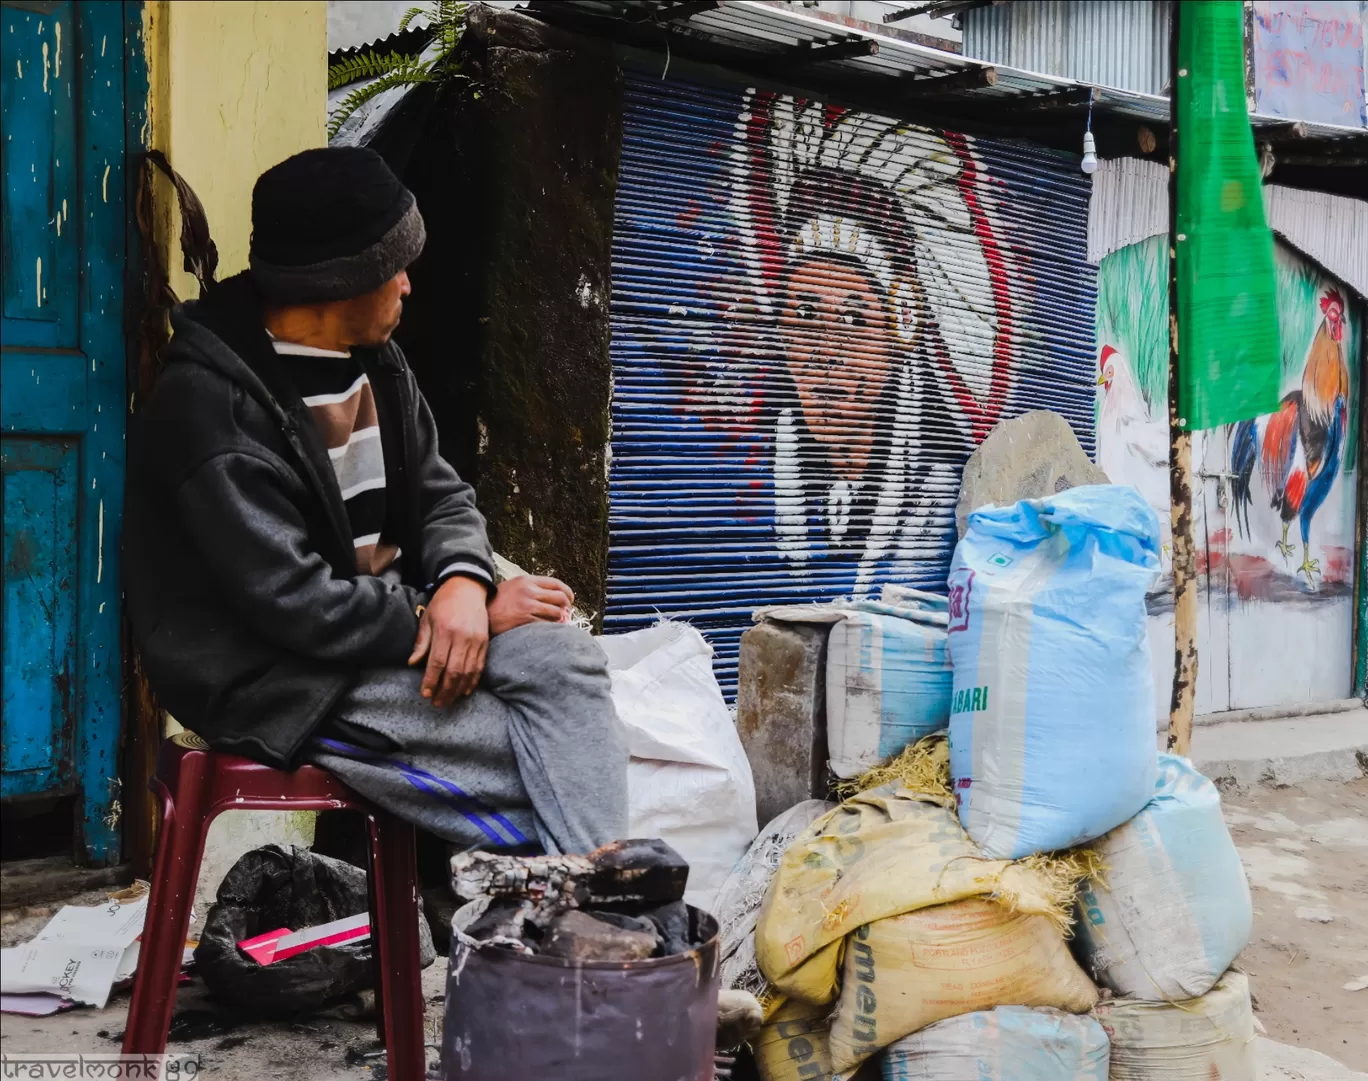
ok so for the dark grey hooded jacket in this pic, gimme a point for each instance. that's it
(240, 567)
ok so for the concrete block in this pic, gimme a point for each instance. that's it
(1282, 752)
(781, 713)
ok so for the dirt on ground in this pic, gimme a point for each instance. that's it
(232, 1048)
(1305, 850)
(340, 1046)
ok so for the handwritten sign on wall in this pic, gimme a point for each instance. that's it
(1308, 61)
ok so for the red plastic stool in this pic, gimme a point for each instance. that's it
(196, 784)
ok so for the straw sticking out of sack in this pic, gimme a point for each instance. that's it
(1051, 883)
(922, 767)
(1051, 887)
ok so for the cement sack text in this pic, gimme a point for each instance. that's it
(880, 853)
(906, 972)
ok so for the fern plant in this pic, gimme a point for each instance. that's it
(446, 21)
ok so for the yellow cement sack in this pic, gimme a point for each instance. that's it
(793, 1046)
(881, 853)
(1198, 1039)
(906, 972)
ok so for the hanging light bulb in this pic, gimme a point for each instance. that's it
(1089, 165)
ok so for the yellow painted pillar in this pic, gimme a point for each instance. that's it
(233, 88)
(236, 86)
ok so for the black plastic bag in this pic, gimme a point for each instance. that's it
(269, 888)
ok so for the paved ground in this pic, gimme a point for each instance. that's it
(230, 1049)
(1286, 751)
(1305, 849)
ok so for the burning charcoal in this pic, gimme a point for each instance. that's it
(579, 937)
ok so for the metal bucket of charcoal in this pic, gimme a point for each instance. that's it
(559, 979)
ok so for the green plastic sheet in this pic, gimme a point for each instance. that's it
(1228, 351)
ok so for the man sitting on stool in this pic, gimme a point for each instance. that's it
(309, 581)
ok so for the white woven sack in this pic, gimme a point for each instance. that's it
(689, 781)
(1196, 1040)
(739, 900)
(1172, 911)
(1009, 1043)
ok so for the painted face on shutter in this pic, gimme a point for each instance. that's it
(838, 338)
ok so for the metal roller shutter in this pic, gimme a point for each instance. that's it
(816, 315)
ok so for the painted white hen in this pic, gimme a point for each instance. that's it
(1132, 442)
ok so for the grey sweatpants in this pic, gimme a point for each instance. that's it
(536, 753)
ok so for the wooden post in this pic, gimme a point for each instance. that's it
(1180, 462)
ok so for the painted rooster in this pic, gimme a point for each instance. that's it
(1299, 453)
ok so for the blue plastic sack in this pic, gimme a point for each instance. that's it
(1009, 1043)
(1052, 738)
(887, 681)
(1173, 909)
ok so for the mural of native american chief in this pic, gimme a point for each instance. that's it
(817, 314)
(880, 283)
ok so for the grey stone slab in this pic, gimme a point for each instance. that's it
(1027, 457)
(781, 713)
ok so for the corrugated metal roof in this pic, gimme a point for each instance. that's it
(1331, 229)
(1130, 202)
(1122, 43)
(353, 24)
(356, 23)
(894, 12)
(769, 28)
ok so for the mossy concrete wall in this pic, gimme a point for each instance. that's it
(508, 327)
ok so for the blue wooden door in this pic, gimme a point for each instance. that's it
(62, 407)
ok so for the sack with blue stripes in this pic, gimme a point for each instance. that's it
(887, 679)
(1172, 910)
(1052, 738)
(887, 673)
(1010, 1043)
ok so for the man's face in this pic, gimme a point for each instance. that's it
(838, 338)
(371, 318)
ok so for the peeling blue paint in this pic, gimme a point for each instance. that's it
(63, 358)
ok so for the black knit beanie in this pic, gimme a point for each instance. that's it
(331, 224)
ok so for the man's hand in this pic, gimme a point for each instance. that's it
(529, 599)
(453, 634)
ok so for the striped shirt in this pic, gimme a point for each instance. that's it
(338, 393)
